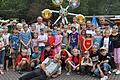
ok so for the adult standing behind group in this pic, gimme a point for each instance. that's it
(39, 24)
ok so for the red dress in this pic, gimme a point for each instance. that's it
(81, 39)
(88, 43)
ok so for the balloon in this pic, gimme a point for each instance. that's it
(46, 13)
(57, 2)
(74, 3)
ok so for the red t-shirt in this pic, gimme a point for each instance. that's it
(51, 54)
(64, 55)
(76, 59)
(19, 58)
(51, 40)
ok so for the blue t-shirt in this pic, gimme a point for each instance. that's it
(97, 41)
(25, 37)
(54, 33)
(73, 39)
(15, 40)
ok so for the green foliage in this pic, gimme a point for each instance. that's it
(30, 9)
(13, 8)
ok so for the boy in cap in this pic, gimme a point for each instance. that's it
(103, 66)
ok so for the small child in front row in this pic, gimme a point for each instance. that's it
(35, 57)
(22, 62)
(86, 63)
(103, 66)
(74, 62)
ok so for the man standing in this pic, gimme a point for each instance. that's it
(48, 68)
(40, 24)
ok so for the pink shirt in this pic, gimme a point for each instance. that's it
(34, 42)
(58, 39)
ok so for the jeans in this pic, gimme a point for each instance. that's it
(2, 56)
(105, 67)
(35, 73)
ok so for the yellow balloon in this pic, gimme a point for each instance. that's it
(46, 14)
(80, 18)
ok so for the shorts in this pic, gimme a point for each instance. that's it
(117, 55)
(15, 54)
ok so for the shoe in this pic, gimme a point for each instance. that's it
(1, 72)
(102, 78)
(109, 72)
(68, 74)
(106, 77)
(118, 72)
(114, 71)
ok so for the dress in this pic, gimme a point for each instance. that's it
(81, 39)
(58, 39)
(88, 43)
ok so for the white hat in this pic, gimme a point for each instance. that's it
(103, 48)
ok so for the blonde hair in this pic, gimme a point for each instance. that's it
(19, 25)
(106, 32)
(58, 56)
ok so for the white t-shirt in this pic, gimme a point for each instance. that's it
(40, 26)
(106, 43)
(52, 67)
(42, 38)
(6, 38)
(91, 32)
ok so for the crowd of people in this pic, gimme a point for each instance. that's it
(45, 50)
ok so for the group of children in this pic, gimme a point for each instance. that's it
(83, 48)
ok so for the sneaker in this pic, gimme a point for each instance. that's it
(109, 72)
(114, 71)
(106, 77)
(103, 78)
(68, 74)
(1, 72)
(118, 72)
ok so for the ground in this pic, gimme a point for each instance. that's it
(11, 75)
